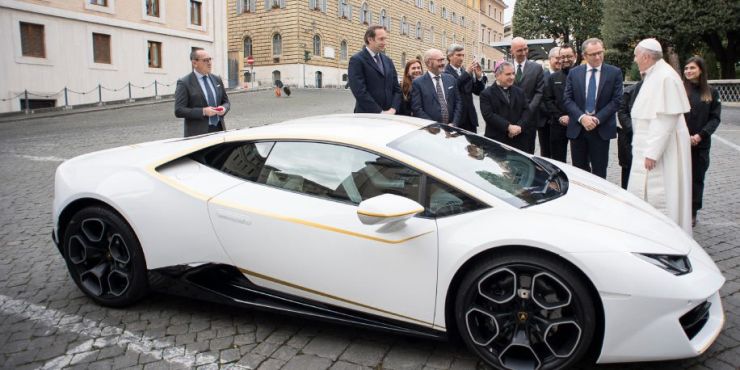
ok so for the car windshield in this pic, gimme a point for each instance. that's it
(495, 168)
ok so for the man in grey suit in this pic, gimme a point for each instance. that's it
(530, 78)
(200, 97)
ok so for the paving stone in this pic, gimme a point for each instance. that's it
(271, 364)
(365, 353)
(341, 365)
(326, 346)
(307, 362)
(405, 358)
(229, 355)
(221, 343)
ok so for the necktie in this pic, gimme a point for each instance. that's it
(519, 73)
(591, 93)
(441, 99)
(379, 63)
(212, 120)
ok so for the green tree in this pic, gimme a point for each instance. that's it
(569, 21)
(685, 26)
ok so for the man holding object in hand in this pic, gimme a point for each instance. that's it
(200, 97)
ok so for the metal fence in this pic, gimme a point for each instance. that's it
(65, 92)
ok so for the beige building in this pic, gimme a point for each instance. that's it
(309, 42)
(80, 44)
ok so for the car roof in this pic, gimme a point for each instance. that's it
(364, 129)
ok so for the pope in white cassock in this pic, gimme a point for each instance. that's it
(661, 146)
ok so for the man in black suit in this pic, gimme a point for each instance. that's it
(555, 106)
(434, 95)
(624, 131)
(505, 110)
(593, 94)
(543, 121)
(200, 97)
(469, 81)
(529, 77)
(372, 76)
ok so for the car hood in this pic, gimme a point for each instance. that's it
(593, 200)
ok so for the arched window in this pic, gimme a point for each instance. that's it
(419, 3)
(454, 17)
(343, 50)
(383, 18)
(431, 6)
(247, 46)
(444, 40)
(275, 76)
(344, 9)
(404, 30)
(418, 30)
(444, 13)
(462, 20)
(364, 12)
(431, 34)
(317, 45)
(454, 38)
(277, 45)
(403, 60)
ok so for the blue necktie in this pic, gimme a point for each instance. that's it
(591, 93)
(212, 120)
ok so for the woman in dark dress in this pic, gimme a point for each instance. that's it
(702, 121)
(410, 73)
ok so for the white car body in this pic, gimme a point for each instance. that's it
(186, 213)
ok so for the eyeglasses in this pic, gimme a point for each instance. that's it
(207, 60)
(595, 54)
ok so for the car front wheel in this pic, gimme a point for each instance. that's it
(104, 257)
(525, 311)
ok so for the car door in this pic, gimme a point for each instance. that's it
(295, 229)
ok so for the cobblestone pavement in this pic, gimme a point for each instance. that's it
(45, 322)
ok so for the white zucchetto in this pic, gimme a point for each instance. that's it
(650, 44)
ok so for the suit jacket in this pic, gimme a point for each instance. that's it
(190, 101)
(624, 139)
(553, 98)
(498, 112)
(533, 84)
(424, 100)
(374, 91)
(467, 85)
(608, 99)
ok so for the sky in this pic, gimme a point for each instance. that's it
(509, 11)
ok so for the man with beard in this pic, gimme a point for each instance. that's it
(555, 107)
(469, 81)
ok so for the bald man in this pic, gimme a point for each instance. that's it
(530, 77)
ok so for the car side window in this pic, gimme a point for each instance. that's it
(243, 160)
(337, 172)
(444, 200)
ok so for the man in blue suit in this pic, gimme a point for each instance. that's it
(593, 94)
(435, 95)
(372, 76)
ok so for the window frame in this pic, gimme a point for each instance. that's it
(279, 44)
(109, 7)
(159, 55)
(110, 48)
(343, 50)
(160, 18)
(201, 16)
(316, 45)
(25, 52)
(244, 45)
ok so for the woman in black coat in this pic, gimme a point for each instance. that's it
(702, 121)
(412, 71)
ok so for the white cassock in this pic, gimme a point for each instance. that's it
(660, 133)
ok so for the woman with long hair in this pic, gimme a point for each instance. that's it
(702, 121)
(412, 70)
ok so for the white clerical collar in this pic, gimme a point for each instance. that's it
(589, 68)
(499, 85)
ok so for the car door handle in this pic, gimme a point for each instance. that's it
(233, 217)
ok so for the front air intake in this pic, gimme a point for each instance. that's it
(693, 321)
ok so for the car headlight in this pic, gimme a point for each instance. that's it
(675, 264)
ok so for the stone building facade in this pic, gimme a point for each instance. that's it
(309, 42)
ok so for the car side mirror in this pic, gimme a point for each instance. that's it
(387, 208)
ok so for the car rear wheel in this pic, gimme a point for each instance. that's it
(525, 311)
(104, 257)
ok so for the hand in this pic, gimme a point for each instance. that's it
(564, 120)
(649, 164)
(695, 139)
(589, 122)
(513, 130)
(209, 111)
(220, 110)
(389, 111)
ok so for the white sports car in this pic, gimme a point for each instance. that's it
(392, 223)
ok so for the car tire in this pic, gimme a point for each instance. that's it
(525, 310)
(104, 257)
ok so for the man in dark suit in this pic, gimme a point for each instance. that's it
(200, 97)
(372, 76)
(469, 82)
(504, 108)
(434, 95)
(593, 94)
(543, 121)
(624, 131)
(529, 77)
(555, 106)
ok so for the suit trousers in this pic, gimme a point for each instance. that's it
(214, 128)
(543, 135)
(590, 152)
(699, 167)
(527, 139)
(558, 142)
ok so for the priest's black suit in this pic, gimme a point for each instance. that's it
(499, 111)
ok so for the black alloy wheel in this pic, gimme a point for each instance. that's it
(104, 257)
(525, 311)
